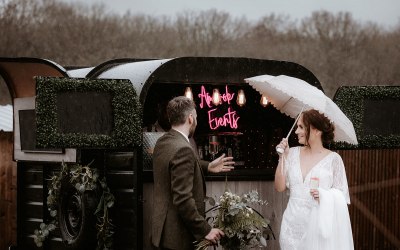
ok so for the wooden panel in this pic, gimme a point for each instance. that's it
(28, 227)
(8, 192)
(147, 214)
(125, 238)
(124, 217)
(120, 179)
(121, 161)
(56, 243)
(374, 182)
(32, 176)
(30, 203)
(124, 198)
(26, 242)
(32, 193)
(31, 209)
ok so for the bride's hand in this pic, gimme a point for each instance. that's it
(284, 144)
(315, 194)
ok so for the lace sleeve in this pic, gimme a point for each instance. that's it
(339, 177)
(287, 162)
(286, 169)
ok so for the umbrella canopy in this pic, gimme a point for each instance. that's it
(291, 95)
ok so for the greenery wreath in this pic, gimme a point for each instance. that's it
(83, 178)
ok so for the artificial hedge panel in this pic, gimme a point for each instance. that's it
(351, 99)
(126, 110)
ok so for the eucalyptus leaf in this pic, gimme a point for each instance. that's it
(263, 241)
(100, 205)
(53, 213)
(110, 204)
(211, 201)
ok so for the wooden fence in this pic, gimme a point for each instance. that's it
(374, 181)
(8, 192)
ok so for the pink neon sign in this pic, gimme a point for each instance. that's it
(230, 118)
(206, 98)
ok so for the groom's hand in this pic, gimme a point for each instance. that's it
(221, 164)
(214, 235)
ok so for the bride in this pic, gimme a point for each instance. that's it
(316, 216)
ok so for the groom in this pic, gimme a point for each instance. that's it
(179, 185)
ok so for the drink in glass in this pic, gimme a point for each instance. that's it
(314, 182)
(213, 145)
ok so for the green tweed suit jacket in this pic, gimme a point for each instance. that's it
(179, 194)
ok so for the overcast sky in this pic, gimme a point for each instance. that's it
(382, 12)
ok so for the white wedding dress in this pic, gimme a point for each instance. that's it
(300, 219)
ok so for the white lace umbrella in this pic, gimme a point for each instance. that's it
(291, 95)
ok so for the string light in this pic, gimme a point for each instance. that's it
(264, 101)
(241, 98)
(216, 97)
(189, 93)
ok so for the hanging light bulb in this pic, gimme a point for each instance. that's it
(189, 93)
(241, 98)
(216, 97)
(264, 101)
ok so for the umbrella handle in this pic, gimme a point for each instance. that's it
(281, 150)
(295, 122)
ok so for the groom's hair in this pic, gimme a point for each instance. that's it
(321, 122)
(179, 109)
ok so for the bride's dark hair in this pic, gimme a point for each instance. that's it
(321, 122)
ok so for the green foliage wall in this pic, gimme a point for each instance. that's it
(126, 108)
(351, 100)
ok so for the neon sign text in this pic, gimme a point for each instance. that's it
(206, 98)
(230, 118)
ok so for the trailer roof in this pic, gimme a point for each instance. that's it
(137, 72)
(186, 70)
(19, 73)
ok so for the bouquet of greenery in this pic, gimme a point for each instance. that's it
(243, 226)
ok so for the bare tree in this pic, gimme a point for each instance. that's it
(202, 34)
(335, 47)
